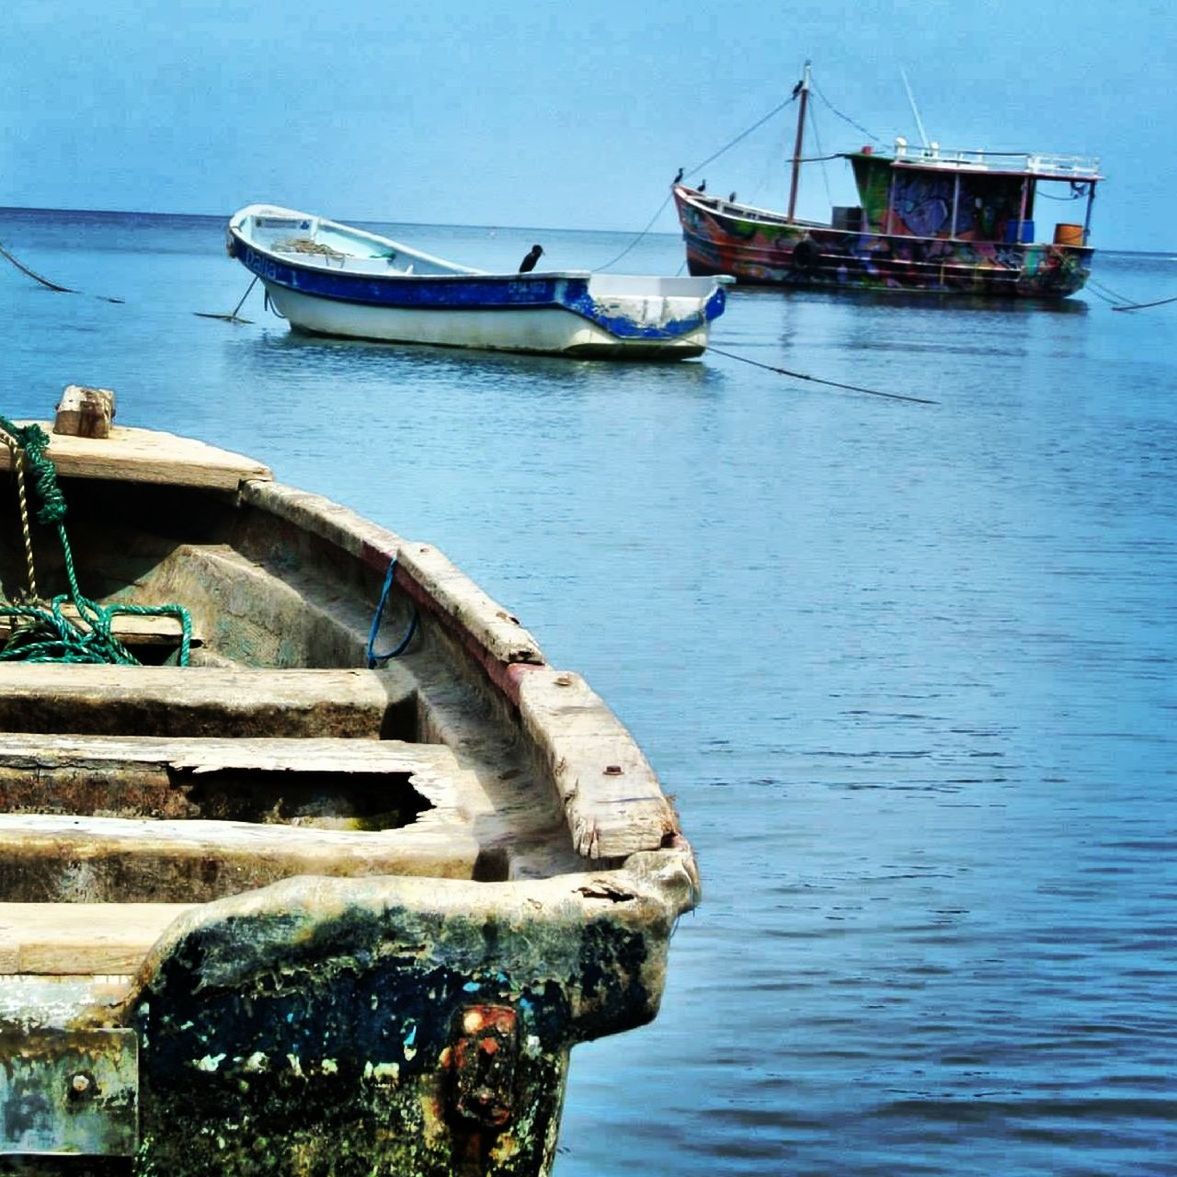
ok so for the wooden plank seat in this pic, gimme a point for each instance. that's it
(204, 700)
(291, 792)
(80, 939)
(54, 857)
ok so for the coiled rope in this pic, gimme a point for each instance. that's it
(40, 629)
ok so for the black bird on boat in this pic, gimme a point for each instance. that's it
(533, 256)
(702, 186)
(678, 178)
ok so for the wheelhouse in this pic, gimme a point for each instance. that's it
(965, 196)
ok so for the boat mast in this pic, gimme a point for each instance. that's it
(802, 89)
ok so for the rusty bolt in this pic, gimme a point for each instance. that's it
(612, 769)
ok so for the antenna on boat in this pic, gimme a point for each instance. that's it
(802, 89)
(911, 99)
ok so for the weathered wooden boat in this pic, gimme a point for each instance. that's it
(331, 279)
(928, 220)
(310, 862)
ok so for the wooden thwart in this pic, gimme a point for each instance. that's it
(107, 859)
(198, 701)
(86, 856)
(81, 939)
(452, 792)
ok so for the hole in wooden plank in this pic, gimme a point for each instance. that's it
(350, 801)
(493, 865)
(354, 801)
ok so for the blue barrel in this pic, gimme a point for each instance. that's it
(1019, 232)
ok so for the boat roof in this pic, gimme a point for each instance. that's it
(1037, 166)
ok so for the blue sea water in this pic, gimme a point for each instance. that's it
(908, 669)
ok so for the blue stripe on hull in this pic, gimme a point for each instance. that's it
(465, 292)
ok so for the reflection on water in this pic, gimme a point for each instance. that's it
(908, 669)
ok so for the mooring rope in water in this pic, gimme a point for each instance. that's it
(1140, 306)
(649, 226)
(46, 282)
(1124, 304)
(34, 275)
(896, 396)
(376, 660)
(1105, 292)
(40, 631)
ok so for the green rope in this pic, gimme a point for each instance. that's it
(40, 630)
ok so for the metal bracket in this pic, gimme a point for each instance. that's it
(69, 1092)
(483, 1057)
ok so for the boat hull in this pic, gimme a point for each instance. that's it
(284, 904)
(334, 280)
(538, 330)
(762, 250)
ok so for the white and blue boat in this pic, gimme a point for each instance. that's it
(331, 279)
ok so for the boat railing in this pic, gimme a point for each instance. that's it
(1065, 167)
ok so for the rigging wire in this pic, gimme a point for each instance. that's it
(742, 135)
(843, 117)
(896, 396)
(693, 171)
(825, 172)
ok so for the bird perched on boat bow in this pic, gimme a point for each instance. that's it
(533, 256)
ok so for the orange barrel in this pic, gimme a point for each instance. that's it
(1068, 234)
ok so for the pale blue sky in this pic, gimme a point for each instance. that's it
(563, 115)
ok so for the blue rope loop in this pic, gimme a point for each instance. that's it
(374, 659)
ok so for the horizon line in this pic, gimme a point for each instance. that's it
(127, 212)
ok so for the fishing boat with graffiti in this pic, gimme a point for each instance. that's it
(928, 220)
(310, 862)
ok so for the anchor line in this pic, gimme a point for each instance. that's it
(1140, 306)
(897, 396)
(34, 275)
(55, 286)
